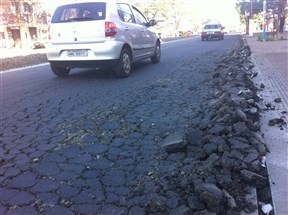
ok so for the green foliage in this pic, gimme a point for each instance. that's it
(244, 5)
(154, 9)
(169, 12)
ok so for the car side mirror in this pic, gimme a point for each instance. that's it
(152, 22)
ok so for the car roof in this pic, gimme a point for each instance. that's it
(212, 23)
(83, 1)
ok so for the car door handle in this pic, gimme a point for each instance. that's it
(127, 29)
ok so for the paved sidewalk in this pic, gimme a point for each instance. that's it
(270, 59)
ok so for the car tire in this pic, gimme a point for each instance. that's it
(59, 71)
(202, 38)
(123, 68)
(157, 54)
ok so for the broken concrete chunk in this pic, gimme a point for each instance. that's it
(241, 115)
(254, 179)
(277, 100)
(174, 142)
(211, 195)
(276, 121)
(230, 200)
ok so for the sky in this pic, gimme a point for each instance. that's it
(223, 10)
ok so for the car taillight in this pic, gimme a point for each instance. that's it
(110, 29)
(202, 33)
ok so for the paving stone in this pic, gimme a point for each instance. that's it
(22, 198)
(87, 209)
(37, 154)
(24, 180)
(67, 191)
(100, 164)
(94, 183)
(83, 158)
(113, 210)
(48, 199)
(125, 162)
(55, 157)
(117, 142)
(114, 151)
(11, 172)
(47, 168)
(59, 209)
(122, 191)
(77, 168)
(114, 178)
(90, 174)
(21, 158)
(112, 198)
(7, 194)
(66, 175)
(45, 186)
(95, 149)
(71, 152)
(23, 166)
(85, 197)
(23, 211)
(45, 146)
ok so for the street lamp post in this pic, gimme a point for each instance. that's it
(264, 20)
(251, 23)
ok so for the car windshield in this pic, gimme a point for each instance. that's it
(80, 12)
(212, 27)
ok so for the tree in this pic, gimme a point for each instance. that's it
(172, 14)
(245, 6)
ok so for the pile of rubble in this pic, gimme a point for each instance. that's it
(227, 144)
(22, 61)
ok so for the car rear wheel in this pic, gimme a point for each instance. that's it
(123, 68)
(157, 55)
(59, 71)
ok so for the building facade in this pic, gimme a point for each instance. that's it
(21, 21)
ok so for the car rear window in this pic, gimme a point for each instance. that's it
(211, 26)
(80, 12)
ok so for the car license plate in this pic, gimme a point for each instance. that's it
(77, 53)
(211, 32)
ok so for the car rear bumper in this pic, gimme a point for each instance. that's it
(212, 36)
(85, 64)
(102, 52)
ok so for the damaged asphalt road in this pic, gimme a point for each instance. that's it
(184, 140)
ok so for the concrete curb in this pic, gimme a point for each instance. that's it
(271, 74)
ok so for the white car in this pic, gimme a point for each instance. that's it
(100, 33)
(211, 31)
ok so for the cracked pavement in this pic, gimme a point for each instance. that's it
(91, 144)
